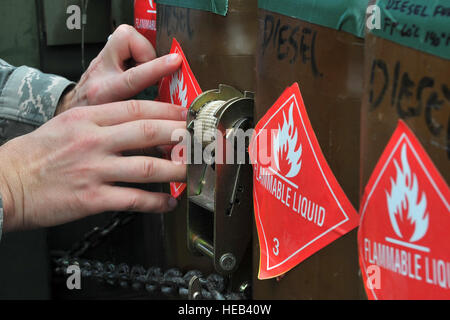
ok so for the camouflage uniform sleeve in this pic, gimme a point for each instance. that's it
(28, 98)
(28, 95)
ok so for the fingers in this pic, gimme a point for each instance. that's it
(165, 151)
(155, 152)
(121, 112)
(141, 169)
(148, 152)
(119, 82)
(125, 43)
(136, 79)
(141, 134)
(129, 199)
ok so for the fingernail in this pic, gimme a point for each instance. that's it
(184, 114)
(171, 58)
(172, 203)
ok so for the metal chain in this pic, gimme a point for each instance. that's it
(95, 236)
(170, 283)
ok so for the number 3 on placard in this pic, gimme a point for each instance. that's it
(276, 249)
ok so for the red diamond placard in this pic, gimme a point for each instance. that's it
(145, 19)
(180, 88)
(403, 243)
(299, 205)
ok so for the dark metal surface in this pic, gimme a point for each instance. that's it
(195, 289)
(219, 49)
(215, 56)
(171, 283)
(328, 65)
(404, 83)
(220, 195)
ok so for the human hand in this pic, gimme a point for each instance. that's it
(66, 169)
(126, 66)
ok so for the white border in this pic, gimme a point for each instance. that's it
(419, 160)
(179, 187)
(323, 175)
(177, 50)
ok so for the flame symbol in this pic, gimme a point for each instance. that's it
(285, 147)
(404, 199)
(178, 90)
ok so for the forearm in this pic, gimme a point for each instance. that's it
(28, 98)
(6, 200)
(61, 171)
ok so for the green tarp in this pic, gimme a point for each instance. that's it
(215, 6)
